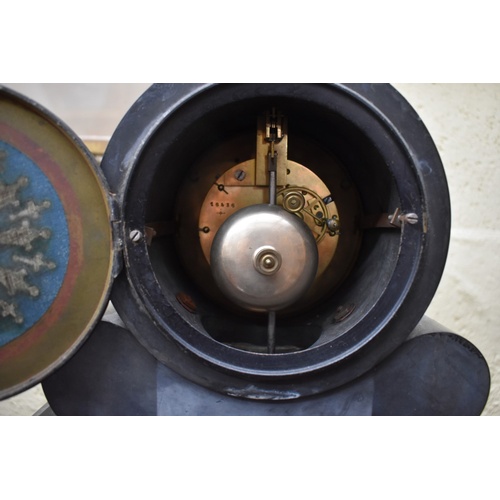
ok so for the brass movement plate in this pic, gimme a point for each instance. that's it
(216, 178)
(228, 195)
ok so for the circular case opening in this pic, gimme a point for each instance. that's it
(381, 278)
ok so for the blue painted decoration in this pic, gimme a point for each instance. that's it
(34, 243)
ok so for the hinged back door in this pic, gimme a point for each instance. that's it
(56, 243)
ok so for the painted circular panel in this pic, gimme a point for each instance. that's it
(56, 245)
(34, 243)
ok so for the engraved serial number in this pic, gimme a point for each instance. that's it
(222, 205)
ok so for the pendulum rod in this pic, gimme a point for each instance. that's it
(271, 332)
(274, 132)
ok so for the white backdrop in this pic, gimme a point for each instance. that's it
(464, 121)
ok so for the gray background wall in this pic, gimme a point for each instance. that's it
(463, 119)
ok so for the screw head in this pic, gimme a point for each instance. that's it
(239, 175)
(135, 235)
(410, 218)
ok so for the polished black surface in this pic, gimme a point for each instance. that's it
(386, 152)
(435, 373)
